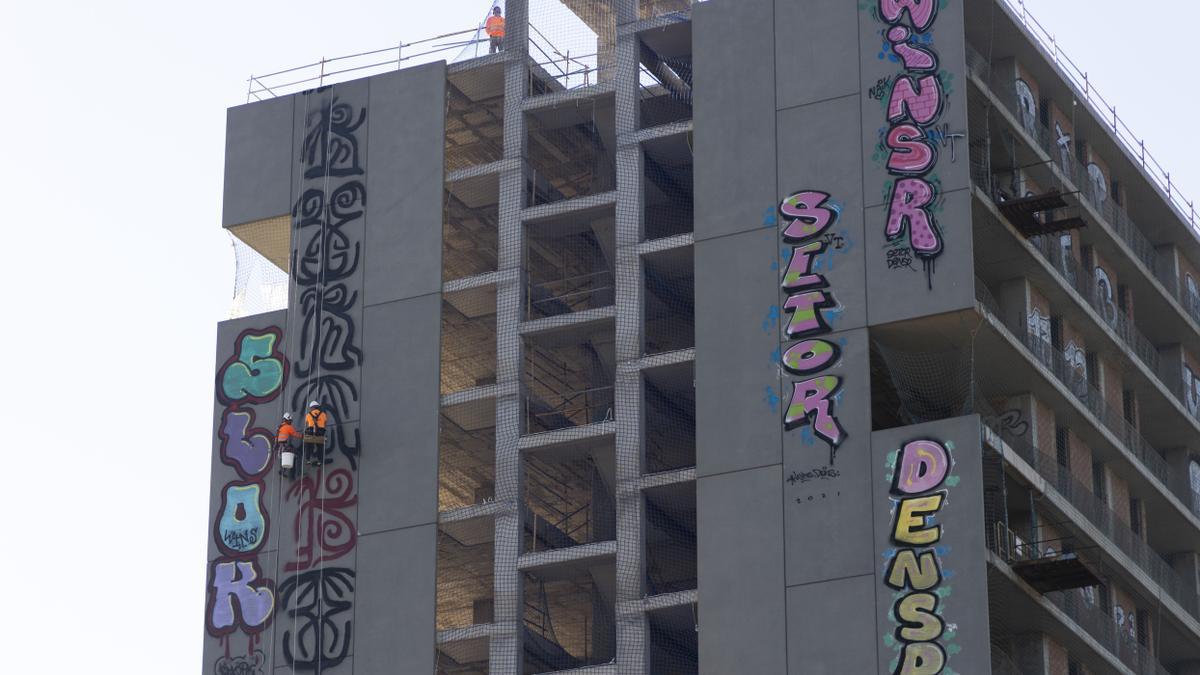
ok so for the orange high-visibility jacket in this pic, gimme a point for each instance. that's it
(286, 431)
(495, 26)
(314, 420)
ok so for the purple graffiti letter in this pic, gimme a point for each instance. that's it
(809, 356)
(911, 154)
(811, 403)
(799, 272)
(809, 214)
(806, 313)
(910, 197)
(921, 467)
(235, 602)
(921, 11)
(915, 58)
(247, 450)
(920, 99)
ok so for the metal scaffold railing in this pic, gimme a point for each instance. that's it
(1105, 111)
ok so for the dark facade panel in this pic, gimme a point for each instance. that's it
(735, 94)
(404, 213)
(395, 619)
(815, 60)
(258, 160)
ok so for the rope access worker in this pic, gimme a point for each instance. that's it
(285, 446)
(314, 433)
(495, 30)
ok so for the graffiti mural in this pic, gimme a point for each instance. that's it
(911, 138)
(241, 598)
(806, 216)
(316, 598)
(920, 484)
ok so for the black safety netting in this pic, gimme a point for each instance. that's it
(670, 538)
(572, 44)
(474, 117)
(569, 617)
(571, 151)
(470, 227)
(467, 454)
(669, 411)
(674, 640)
(568, 497)
(669, 300)
(567, 380)
(468, 656)
(665, 73)
(668, 188)
(468, 339)
(465, 573)
(569, 263)
(260, 250)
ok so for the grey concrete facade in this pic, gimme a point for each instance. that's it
(864, 306)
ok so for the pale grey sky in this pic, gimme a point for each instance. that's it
(119, 271)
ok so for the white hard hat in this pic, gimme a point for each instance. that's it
(315, 404)
(287, 416)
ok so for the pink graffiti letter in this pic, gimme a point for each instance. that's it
(920, 100)
(799, 272)
(915, 58)
(812, 403)
(810, 215)
(910, 197)
(922, 12)
(810, 356)
(921, 467)
(806, 313)
(911, 153)
(234, 601)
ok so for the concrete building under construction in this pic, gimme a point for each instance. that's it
(754, 336)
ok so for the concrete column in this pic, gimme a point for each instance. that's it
(1029, 654)
(632, 636)
(505, 657)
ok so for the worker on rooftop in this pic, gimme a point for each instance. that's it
(287, 449)
(314, 434)
(495, 30)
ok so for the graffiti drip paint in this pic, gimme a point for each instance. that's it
(914, 106)
(915, 571)
(240, 598)
(807, 215)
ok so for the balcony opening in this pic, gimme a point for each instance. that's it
(568, 377)
(674, 640)
(665, 73)
(569, 617)
(468, 339)
(474, 117)
(571, 151)
(470, 227)
(467, 455)
(261, 251)
(463, 657)
(568, 496)
(670, 413)
(464, 573)
(669, 302)
(667, 186)
(670, 538)
(572, 44)
(569, 262)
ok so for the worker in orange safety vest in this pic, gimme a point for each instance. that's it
(283, 444)
(495, 30)
(314, 425)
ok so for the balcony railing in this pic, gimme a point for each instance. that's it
(1074, 171)
(1099, 514)
(1093, 399)
(1104, 111)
